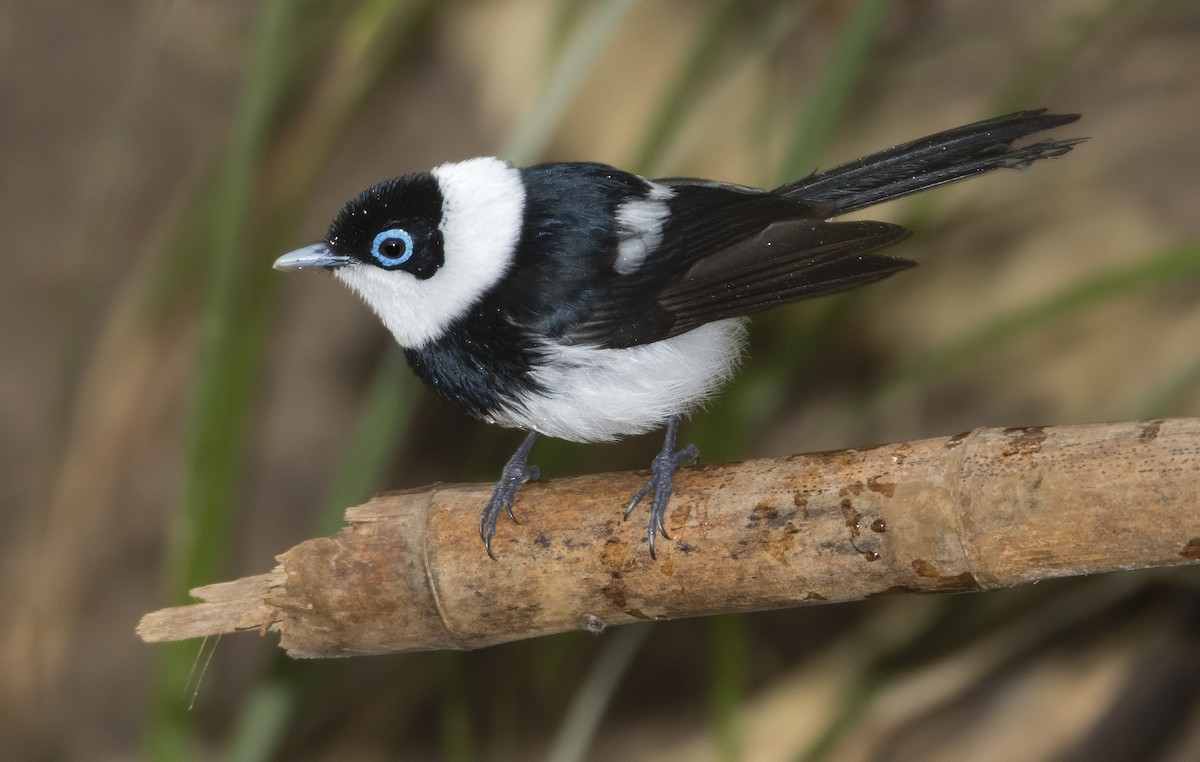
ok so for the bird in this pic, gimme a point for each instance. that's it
(577, 301)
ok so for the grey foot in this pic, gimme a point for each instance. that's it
(661, 482)
(516, 472)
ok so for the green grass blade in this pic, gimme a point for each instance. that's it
(595, 693)
(827, 105)
(220, 399)
(530, 138)
(368, 44)
(262, 721)
(228, 342)
(454, 712)
(1031, 78)
(1178, 262)
(728, 660)
(1025, 87)
(1170, 398)
(697, 70)
(379, 430)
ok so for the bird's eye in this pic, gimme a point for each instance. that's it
(392, 248)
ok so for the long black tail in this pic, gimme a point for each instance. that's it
(934, 160)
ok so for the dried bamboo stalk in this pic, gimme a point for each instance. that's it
(983, 510)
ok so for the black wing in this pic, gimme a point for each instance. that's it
(730, 251)
(787, 262)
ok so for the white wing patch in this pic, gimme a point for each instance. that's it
(482, 214)
(602, 394)
(640, 227)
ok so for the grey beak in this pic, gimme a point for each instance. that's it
(315, 255)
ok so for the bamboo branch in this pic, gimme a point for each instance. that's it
(988, 509)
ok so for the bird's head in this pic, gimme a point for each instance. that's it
(422, 249)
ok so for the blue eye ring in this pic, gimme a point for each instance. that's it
(392, 234)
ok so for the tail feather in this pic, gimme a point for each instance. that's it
(934, 160)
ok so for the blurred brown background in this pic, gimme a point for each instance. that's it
(120, 117)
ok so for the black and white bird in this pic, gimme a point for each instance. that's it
(578, 301)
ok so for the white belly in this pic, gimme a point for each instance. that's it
(603, 394)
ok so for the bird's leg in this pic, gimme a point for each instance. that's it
(665, 464)
(516, 472)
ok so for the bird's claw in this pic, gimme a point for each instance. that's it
(662, 483)
(516, 472)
